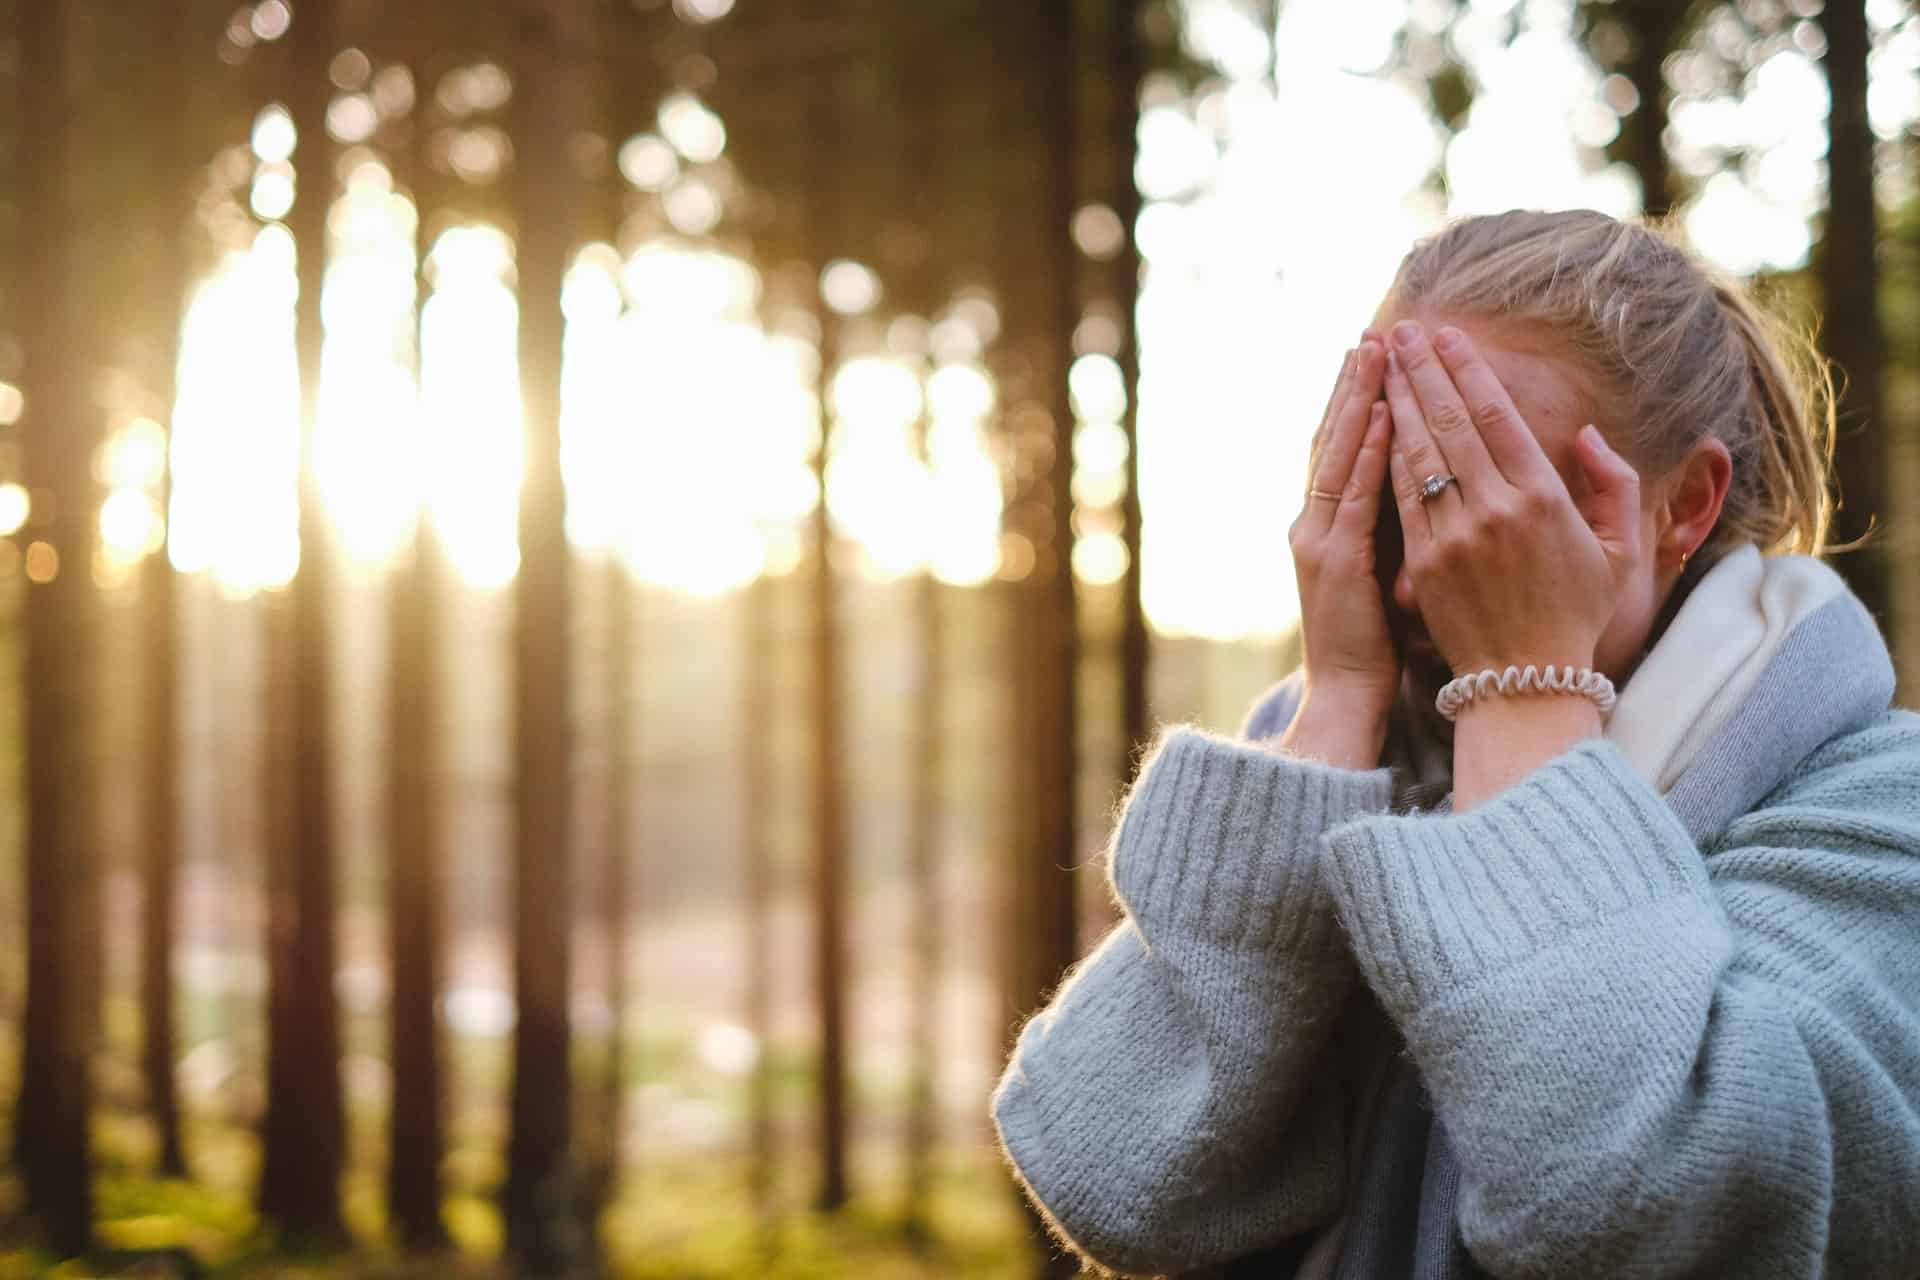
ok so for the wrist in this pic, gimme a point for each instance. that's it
(1342, 728)
(1498, 741)
(1513, 711)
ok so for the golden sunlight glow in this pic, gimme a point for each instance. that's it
(274, 135)
(15, 507)
(367, 453)
(701, 456)
(876, 480)
(691, 419)
(130, 526)
(964, 494)
(136, 456)
(471, 456)
(236, 441)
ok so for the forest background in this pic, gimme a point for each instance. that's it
(579, 579)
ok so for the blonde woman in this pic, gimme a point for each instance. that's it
(1561, 917)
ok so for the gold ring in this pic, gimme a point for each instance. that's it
(1322, 493)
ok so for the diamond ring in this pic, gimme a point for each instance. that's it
(1435, 485)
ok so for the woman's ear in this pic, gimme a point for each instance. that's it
(1691, 498)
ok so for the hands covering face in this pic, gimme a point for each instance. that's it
(1504, 568)
(1349, 650)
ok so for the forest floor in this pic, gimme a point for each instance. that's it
(688, 1228)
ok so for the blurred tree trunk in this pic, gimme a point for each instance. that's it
(303, 1135)
(764, 106)
(1041, 305)
(1849, 276)
(1655, 27)
(757, 834)
(416, 852)
(552, 102)
(922, 1134)
(173, 171)
(616, 901)
(419, 596)
(51, 1146)
(604, 207)
(1126, 62)
(923, 151)
(823, 212)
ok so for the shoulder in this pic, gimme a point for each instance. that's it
(1877, 765)
(1862, 786)
(1273, 711)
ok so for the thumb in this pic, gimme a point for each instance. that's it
(1616, 491)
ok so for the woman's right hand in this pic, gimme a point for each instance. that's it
(1352, 672)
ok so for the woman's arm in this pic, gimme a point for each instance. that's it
(1163, 1110)
(1652, 1062)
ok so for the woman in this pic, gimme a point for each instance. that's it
(1559, 986)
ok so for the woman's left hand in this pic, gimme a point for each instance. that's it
(1506, 569)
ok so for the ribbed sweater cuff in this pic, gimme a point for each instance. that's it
(1220, 839)
(1434, 904)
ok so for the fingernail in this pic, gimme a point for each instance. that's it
(1448, 339)
(1393, 365)
(1406, 333)
(1369, 348)
(1593, 437)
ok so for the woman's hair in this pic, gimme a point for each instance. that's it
(1681, 353)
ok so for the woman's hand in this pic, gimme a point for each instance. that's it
(1352, 672)
(1506, 570)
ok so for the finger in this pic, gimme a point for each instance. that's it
(1615, 511)
(1445, 413)
(1508, 438)
(1360, 504)
(1334, 401)
(1416, 527)
(1349, 425)
(1412, 442)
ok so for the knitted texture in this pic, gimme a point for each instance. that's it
(1652, 1062)
(1165, 1110)
(1653, 1059)
(1662, 996)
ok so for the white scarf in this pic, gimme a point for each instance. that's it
(1712, 655)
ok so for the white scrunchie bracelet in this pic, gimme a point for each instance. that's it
(1584, 681)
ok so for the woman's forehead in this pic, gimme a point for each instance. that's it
(1545, 386)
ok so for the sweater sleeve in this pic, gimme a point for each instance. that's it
(1650, 1061)
(1161, 1111)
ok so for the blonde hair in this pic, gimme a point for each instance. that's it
(1682, 353)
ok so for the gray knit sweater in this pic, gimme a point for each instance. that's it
(1662, 1035)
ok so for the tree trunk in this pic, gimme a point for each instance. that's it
(303, 1138)
(546, 1231)
(1125, 70)
(757, 819)
(923, 149)
(416, 852)
(173, 173)
(823, 213)
(419, 591)
(51, 1144)
(1655, 26)
(616, 901)
(1040, 298)
(1850, 283)
(923, 871)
